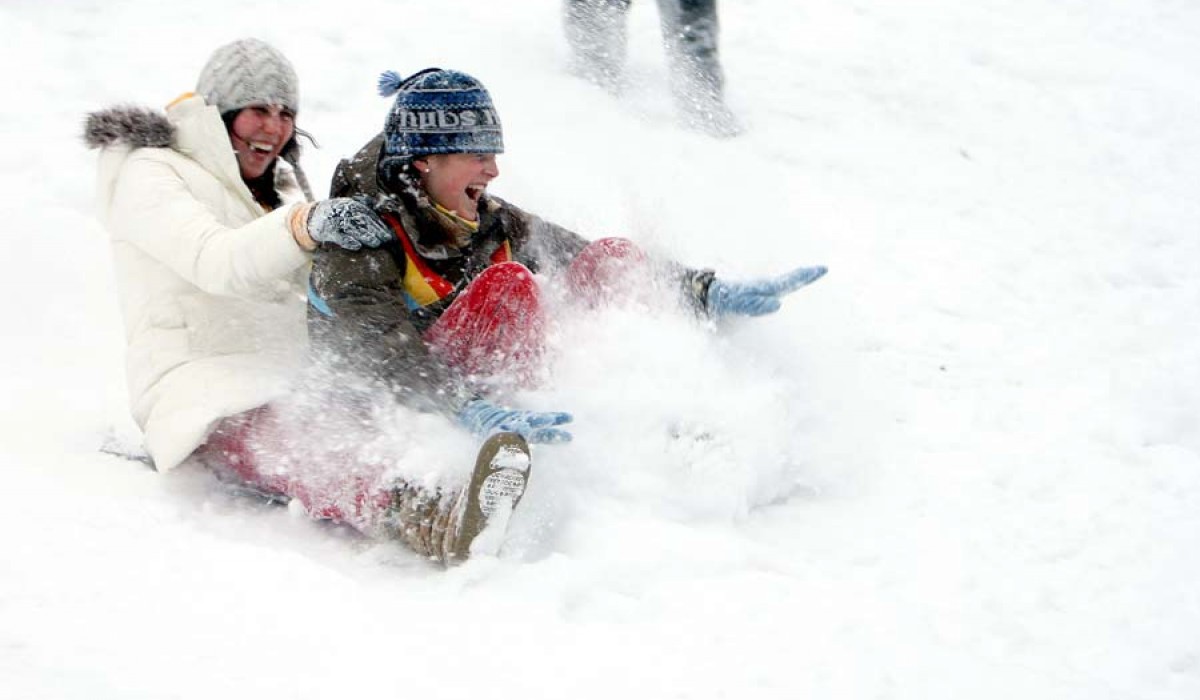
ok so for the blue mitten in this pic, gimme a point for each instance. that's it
(347, 223)
(483, 417)
(759, 297)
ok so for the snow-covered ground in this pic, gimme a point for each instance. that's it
(964, 465)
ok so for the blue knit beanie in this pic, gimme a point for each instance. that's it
(437, 111)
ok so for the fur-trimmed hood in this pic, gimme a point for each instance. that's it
(136, 127)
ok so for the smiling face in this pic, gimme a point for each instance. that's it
(457, 180)
(258, 134)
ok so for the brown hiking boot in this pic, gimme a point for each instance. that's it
(446, 526)
(485, 505)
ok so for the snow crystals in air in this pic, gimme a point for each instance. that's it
(962, 465)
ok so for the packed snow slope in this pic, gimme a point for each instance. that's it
(966, 464)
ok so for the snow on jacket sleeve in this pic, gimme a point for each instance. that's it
(363, 327)
(154, 209)
(544, 246)
(538, 244)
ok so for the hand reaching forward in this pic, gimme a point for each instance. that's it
(758, 297)
(483, 417)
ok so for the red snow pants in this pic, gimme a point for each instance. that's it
(496, 325)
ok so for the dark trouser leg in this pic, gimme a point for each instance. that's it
(596, 33)
(691, 35)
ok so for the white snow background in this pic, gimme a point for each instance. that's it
(966, 464)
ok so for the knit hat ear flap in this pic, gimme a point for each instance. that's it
(246, 72)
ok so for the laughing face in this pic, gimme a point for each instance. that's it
(258, 134)
(457, 180)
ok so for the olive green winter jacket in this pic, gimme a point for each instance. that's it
(361, 319)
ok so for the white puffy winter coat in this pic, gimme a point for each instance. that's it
(211, 286)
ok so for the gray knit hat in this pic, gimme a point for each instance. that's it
(246, 72)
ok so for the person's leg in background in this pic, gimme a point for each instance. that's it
(691, 34)
(596, 33)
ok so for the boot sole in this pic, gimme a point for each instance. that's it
(496, 487)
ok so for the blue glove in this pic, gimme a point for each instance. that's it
(347, 223)
(483, 417)
(759, 297)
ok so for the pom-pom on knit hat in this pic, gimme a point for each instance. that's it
(437, 111)
(247, 72)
